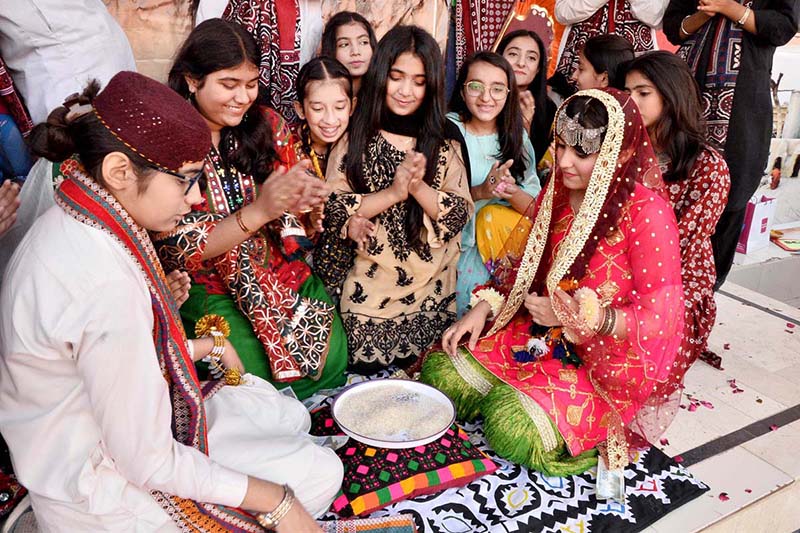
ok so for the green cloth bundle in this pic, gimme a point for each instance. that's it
(439, 371)
(513, 435)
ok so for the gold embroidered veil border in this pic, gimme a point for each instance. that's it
(599, 185)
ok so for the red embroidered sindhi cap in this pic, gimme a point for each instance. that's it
(153, 120)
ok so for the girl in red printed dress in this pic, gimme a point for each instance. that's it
(697, 179)
(282, 323)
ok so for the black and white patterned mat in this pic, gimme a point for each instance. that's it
(514, 499)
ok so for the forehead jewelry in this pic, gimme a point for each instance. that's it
(570, 130)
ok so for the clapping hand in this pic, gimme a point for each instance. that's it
(360, 229)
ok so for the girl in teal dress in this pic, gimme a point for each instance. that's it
(502, 165)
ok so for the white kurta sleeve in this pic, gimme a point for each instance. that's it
(574, 11)
(117, 362)
(651, 12)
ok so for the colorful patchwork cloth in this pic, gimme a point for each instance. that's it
(388, 524)
(375, 477)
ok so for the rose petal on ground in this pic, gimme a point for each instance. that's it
(759, 400)
(789, 331)
(790, 325)
(748, 491)
(664, 442)
(726, 346)
(737, 390)
(707, 404)
(678, 459)
(773, 427)
(693, 408)
(723, 496)
(732, 383)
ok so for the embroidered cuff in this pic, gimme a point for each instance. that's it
(491, 297)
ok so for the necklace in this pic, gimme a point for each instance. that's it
(315, 162)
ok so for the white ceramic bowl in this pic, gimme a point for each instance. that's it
(424, 393)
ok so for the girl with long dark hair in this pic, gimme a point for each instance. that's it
(401, 194)
(599, 62)
(527, 54)
(283, 324)
(503, 179)
(350, 39)
(698, 184)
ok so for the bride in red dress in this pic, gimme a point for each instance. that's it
(585, 318)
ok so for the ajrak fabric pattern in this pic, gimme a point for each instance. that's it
(698, 202)
(396, 297)
(616, 18)
(478, 24)
(716, 72)
(89, 203)
(275, 26)
(293, 329)
(12, 101)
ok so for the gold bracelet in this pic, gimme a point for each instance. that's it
(241, 223)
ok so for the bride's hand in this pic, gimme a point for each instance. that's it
(473, 323)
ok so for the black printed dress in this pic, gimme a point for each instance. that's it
(396, 299)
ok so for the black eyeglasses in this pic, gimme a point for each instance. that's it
(188, 180)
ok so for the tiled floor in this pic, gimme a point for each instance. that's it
(753, 485)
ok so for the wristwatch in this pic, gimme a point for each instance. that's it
(272, 519)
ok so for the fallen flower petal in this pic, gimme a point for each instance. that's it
(678, 459)
(664, 442)
(790, 325)
(707, 404)
(748, 491)
(693, 408)
(759, 400)
(723, 496)
(726, 346)
(737, 390)
(773, 427)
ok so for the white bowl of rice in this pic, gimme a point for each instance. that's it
(393, 413)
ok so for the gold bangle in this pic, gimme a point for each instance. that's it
(241, 223)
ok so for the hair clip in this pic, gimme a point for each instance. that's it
(572, 133)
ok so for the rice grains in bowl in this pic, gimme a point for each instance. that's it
(393, 413)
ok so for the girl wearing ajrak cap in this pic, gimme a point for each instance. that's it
(91, 330)
(282, 322)
(400, 194)
(502, 165)
(598, 275)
